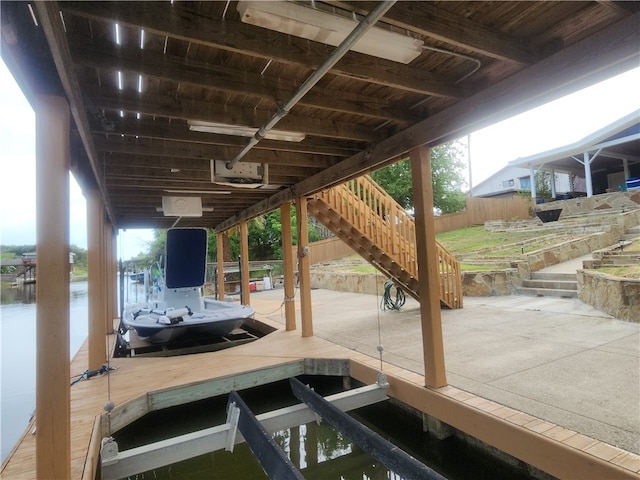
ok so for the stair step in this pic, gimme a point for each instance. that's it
(551, 284)
(553, 276)
(546, 292)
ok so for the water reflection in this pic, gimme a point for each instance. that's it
(18, 353)
(24, 293)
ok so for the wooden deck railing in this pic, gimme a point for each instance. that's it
(378, 217)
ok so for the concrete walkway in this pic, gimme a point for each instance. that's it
(557, 359)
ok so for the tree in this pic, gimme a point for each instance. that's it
(447, 179)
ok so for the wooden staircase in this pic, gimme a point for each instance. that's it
(371, 222)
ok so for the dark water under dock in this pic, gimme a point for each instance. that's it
(317, 450)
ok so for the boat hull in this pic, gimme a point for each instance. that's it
(216, 319)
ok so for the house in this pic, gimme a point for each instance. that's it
(601, 162)
(509, 180)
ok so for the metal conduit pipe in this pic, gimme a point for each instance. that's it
(315, 77)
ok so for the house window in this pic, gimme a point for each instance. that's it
(525, 183)
(507, 183)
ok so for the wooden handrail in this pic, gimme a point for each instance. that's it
(378, 217)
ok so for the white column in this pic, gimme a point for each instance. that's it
(532, 181)
(587, 174)
(625, 167)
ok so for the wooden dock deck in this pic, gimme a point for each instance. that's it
(551, 448)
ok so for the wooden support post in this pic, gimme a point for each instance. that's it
(428, 269)
(220, 257)
(244, 264)
(97, 313)
(53, 434)
(303, 267)
(289, 280)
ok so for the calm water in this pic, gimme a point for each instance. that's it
(18, 354)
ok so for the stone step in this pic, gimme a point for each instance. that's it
(547, 292)
(551, 284)
(553, 276)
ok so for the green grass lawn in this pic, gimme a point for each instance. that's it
(472, 239)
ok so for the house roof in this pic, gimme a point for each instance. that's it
(176, 63)
(616, 141)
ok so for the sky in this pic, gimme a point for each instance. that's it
(553, 125)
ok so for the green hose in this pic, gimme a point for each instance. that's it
(387, 303)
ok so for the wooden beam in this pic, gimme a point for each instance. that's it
(237, 37)
(272, 91)
(303, 267)
(97, 328)
(53, 434)
(429, 270)
(289, 280)
(606, 53)
(51, 21)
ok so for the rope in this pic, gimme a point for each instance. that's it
(387, 303)
(87, 374)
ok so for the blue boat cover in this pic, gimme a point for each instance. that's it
(186, 257)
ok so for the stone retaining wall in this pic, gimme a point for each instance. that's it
(602, 203)
(474, 284)
(349, 281)
(489, 283)
(617, 296)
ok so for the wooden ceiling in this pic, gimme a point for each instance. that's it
(131, 102)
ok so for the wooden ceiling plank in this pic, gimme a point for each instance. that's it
(240, 38)
(191, 109)
(204, 153)
(607, 52)
(178, 70)
(428, 20)
(179, 132)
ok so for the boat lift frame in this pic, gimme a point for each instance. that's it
(116, 464)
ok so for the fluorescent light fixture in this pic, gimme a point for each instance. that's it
(118, 39)
(141, 39)
(330, 28)
(182, 206)
(204, 209)
(243, 131)
(139, 83)
(203, 192)
(120, 80)
(64, 25)
(33, 15)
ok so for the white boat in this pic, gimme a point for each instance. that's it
(179, 308)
